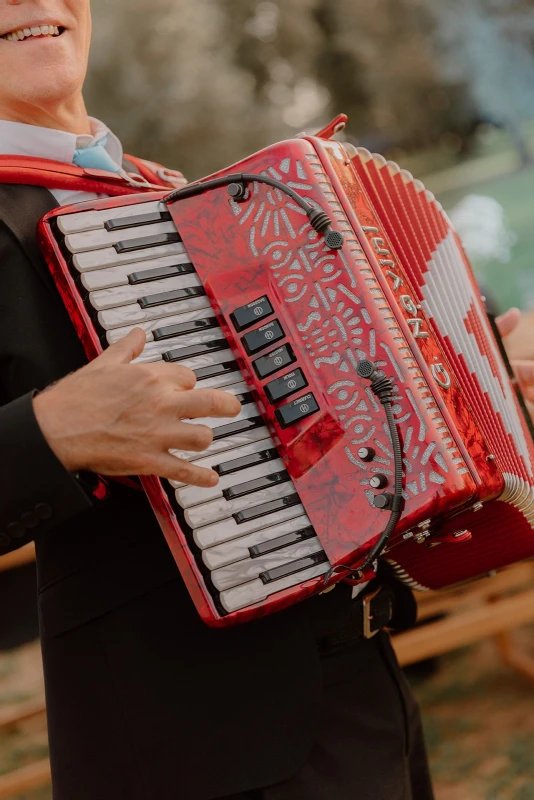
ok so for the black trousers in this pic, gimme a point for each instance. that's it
(134, 711)
(370, 743)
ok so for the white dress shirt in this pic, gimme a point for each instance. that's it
(19, 139)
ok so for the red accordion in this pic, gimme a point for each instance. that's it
(327, 289)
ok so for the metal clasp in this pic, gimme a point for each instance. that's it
(137, 180)
(368, 632)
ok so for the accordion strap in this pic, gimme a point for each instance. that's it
(31, 171)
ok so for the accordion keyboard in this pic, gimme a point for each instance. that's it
(250, 533)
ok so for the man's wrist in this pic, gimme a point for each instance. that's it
(47, 424)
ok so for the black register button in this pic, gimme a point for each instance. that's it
(276, 360)
(285, 386)
(262, 337)
(245, 316)
(298, 409)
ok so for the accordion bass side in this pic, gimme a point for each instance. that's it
(229, 278)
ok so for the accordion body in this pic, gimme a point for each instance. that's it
(245, 292)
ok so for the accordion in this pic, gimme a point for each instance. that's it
(324, 287)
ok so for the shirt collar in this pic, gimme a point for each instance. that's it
(20, 139)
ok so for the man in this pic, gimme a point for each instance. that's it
(144, 701)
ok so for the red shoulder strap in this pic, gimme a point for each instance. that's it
(33, 171)
(156, 173)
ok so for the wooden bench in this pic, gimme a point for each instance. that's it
(487, 608)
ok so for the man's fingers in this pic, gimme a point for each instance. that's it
(508, 321)
(524, 371)
(125, 350)
(176, 469)
(207, 403)
(187, 436)
(181, 377)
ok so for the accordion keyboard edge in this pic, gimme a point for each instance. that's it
(252, 299)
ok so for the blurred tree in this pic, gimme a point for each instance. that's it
(198, 85)
(489, 45)
(163, 75)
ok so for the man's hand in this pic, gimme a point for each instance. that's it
(523, 368)
(116, 418)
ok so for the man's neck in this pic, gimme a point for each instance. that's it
(68, 116)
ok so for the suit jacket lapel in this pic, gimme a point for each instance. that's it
(21, 208)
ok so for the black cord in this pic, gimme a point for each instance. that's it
(383, 389)
(236, 183)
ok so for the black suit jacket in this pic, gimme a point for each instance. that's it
(144, 700)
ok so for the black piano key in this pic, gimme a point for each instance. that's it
(281, 541)
(131, 245)
(170, 297)
(294, 566)
(270, 507)
(241, 426)
(194, 326)
(214, 370)
(147, 275)
(121, 223)
(180, 353)
(244, 398)
(255, 485)
(227, 467)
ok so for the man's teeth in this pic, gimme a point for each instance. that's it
(25, 33)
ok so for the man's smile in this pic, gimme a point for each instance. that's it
(33, 32)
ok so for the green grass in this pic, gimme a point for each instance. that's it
(511, 284)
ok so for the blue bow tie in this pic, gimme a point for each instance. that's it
(95, 157)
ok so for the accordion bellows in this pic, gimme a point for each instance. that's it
(245, 292)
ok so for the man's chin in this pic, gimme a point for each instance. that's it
(50, 84)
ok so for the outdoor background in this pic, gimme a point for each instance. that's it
(444, 87)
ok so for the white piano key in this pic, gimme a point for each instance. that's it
(238, 549)
(133, 315)
(234, 388)
(108, 256)
(217, 510)
(229, 455)
(220, 382)
(118, 276)
(98, 239)
(228, 529)
(251, 568)
(91, 220)
(247, 411)
(124, 295)
(148, 327)
(228, 443)
(255, 591)
(195, 495)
